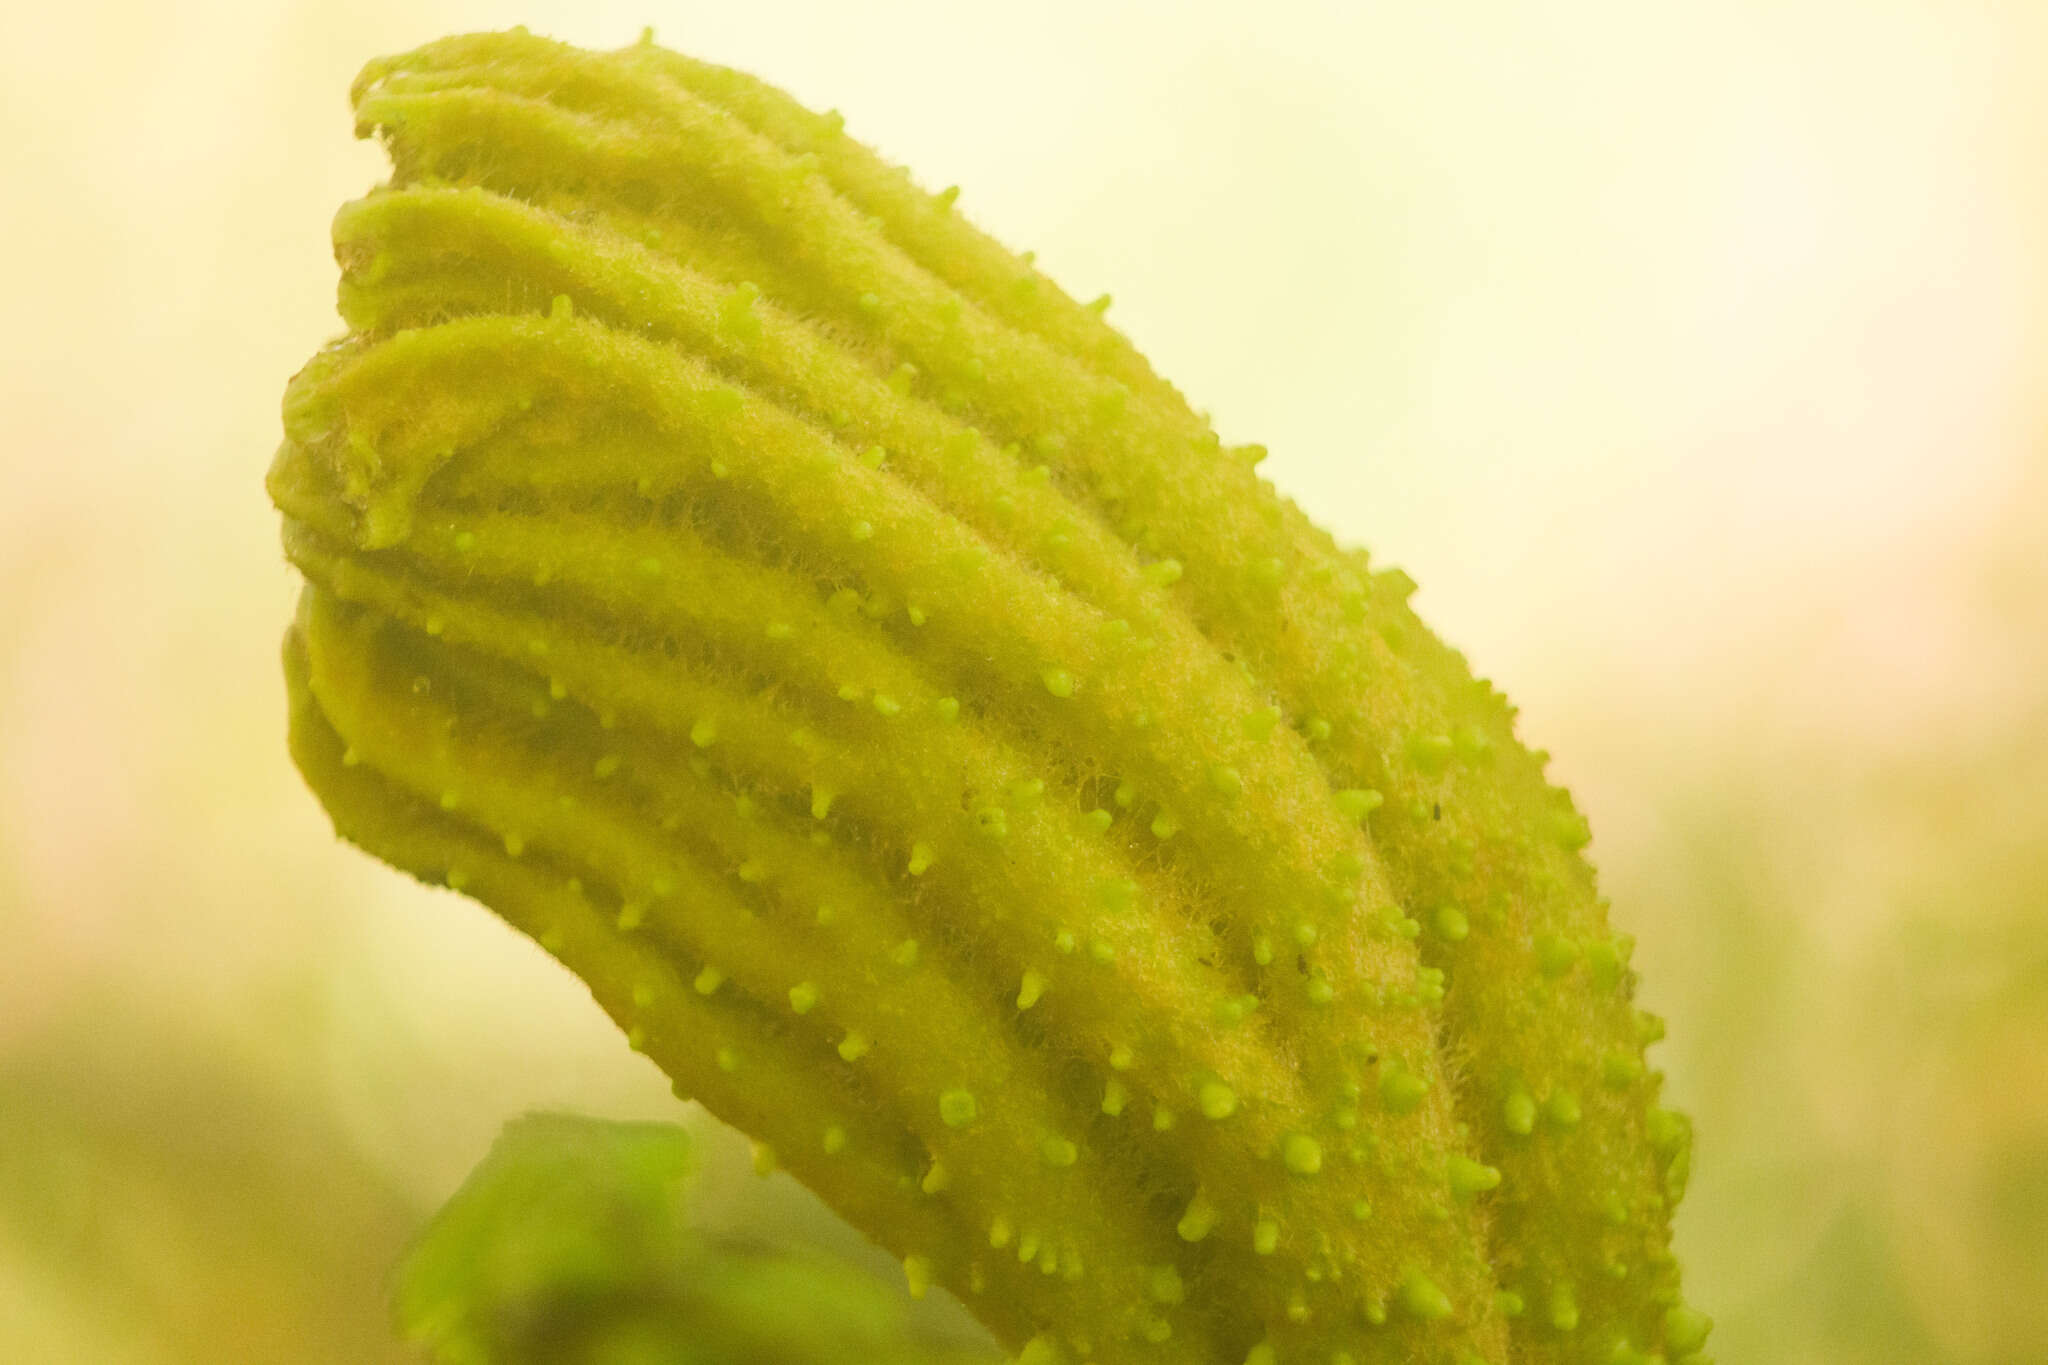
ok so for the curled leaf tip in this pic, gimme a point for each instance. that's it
(939, 754)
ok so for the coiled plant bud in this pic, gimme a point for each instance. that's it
(940, 755)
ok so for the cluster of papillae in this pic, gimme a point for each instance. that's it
(940, 755)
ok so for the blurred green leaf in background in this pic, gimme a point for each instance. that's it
(569, 1245)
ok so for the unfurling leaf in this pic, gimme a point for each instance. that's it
(941, 755)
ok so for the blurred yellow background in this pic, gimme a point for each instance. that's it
(1692, 356)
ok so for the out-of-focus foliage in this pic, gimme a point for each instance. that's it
(1859, 1008)
(162, 1201)
(569, 1245)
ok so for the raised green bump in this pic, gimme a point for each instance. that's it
(893, 655)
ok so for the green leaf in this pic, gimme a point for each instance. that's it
(569, 1243)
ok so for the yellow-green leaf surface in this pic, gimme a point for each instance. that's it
(940, 754)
